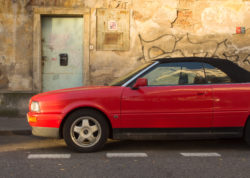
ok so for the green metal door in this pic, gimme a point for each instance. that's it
(62, 52)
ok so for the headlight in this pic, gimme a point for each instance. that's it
(35, 106)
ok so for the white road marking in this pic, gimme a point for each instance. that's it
(49, 156)
(201, 154)
(126, 155)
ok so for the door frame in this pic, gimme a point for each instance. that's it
(37, 46)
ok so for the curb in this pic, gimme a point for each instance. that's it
(15, 132)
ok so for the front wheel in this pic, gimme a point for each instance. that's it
(85, 130)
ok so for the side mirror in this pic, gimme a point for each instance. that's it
(140, 82)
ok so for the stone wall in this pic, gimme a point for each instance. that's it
(158, 28)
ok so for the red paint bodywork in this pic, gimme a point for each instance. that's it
(186, 106)
(167, 107)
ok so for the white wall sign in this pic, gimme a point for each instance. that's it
(112, 25)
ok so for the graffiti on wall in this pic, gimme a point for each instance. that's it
(121, 4)
(170, 45)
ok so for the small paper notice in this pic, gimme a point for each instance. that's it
(112, 25)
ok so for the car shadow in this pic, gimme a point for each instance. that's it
(187, 145)
(15, 143)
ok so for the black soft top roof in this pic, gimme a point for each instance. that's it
(235, 72)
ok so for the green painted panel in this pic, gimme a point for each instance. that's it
(62, 35)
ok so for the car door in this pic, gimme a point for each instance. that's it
(176, 97)
(230, 101)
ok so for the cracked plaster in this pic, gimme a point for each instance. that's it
(159, 28)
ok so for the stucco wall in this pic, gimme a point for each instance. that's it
(176, 28)
(158, 28)
(15, 47)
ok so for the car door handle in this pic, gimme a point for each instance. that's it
(201, 93)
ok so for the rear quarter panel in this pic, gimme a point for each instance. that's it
(231, 104)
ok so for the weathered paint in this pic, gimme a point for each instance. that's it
(159, 28)
(60, 35)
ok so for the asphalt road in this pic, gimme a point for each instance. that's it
(28, 156)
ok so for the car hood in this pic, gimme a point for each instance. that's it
(105, 98)
(77, 91)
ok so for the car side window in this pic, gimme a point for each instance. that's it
(179, 73)
(192, 73)
(215, 75)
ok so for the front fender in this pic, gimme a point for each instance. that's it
(88, 104)
(80, 104)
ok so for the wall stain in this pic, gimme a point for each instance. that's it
(68, 3)
(4, 82)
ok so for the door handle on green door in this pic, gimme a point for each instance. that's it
(44, 58)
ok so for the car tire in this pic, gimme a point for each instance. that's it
(247, 132)
(85, 130)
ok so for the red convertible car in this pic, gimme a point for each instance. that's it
(176, 98)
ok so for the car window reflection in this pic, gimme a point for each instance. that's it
(181, 73)
(215, 75)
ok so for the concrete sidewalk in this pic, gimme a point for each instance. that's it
(14, 126)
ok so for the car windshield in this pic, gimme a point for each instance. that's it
(123, 79)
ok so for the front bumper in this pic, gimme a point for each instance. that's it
(45, 132)
(45, 125)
